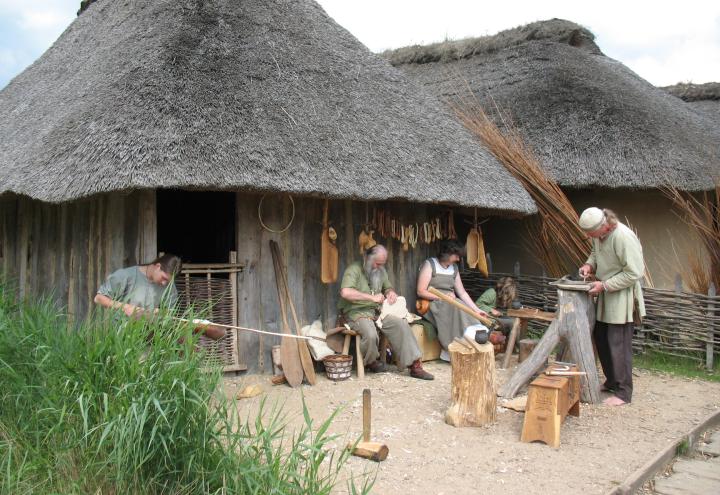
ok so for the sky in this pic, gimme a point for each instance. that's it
(663, 42)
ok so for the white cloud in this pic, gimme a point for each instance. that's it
(662, 44)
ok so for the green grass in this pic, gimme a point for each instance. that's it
(676, 365)
(101, 408)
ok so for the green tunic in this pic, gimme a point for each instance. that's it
(130, 285)
(355, 278)
(487, 300)
(618, 261)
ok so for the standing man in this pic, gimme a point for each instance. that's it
(364, 288)
(616, 260)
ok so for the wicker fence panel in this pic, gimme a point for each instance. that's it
(677, 323)
(213, 298)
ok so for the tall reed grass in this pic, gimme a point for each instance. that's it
(702, 215)
(102, 408)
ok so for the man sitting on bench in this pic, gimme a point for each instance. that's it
(364, 288)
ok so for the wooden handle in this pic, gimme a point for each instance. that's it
(366, 415)
(485, 321)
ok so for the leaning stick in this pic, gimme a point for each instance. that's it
(485, 321)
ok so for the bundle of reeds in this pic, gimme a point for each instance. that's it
(556, 239)
(702, 215)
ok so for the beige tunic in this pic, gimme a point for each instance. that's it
(618, 261)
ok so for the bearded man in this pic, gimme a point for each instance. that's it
(365, 286)
(616, 261)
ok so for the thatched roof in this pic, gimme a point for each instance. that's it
(591, 120)
(258, 96)
(703, 98)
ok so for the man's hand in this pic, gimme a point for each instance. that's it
(391, 296)
(495, 312)
(483, 313)
(131, 310)
(586, 270)
(596, 288)
(377, 298)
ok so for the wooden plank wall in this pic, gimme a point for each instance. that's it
(300, 245)
(67, 250)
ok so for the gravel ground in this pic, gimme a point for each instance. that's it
(598, 450)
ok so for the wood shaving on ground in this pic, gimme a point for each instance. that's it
(249, 391)
(516, 404)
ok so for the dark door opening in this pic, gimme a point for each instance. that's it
(198, 226)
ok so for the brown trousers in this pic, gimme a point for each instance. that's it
(614, 346)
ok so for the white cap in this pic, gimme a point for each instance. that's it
(591, 219)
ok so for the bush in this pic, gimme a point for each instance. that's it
(101, 408)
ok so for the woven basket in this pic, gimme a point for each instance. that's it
(338, 367)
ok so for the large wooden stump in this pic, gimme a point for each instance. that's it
(574, 323)
(473, 389)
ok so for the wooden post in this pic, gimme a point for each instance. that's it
(526, 347)
(511, 343)
(472, 391)
(574, 323)
(147, 224)
(709, 346)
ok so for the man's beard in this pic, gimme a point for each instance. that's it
(375, 276)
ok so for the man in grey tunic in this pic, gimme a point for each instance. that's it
(364, 288)
(145, 289)
(616, 260)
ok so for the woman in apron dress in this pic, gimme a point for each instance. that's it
(442, 273)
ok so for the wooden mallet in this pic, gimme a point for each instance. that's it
(375, 451)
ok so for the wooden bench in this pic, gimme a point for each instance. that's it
(550, 399)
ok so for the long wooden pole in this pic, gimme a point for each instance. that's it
(289, 350)
(485, 321)
(305, 358)
(203, 324)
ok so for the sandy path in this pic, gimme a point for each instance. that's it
(598, 449)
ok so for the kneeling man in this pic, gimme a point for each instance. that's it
(364, 288)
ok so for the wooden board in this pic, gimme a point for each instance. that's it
(686, 484)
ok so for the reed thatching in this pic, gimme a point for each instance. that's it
(259, 96)
(591, 121)
(702, 98)
(555, 236)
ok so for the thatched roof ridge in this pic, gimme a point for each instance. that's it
(695, 92)
(701, 98)
(557, 30)
(258, 96)
(591, 120)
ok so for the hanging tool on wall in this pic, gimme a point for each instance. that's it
(328, 250)
(475, 248)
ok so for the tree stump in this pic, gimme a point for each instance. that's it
(473, 392)
(574, 323)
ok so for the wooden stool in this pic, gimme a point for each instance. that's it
(358, 355)
(550, 399)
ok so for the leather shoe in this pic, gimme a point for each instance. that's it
(417, 371)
